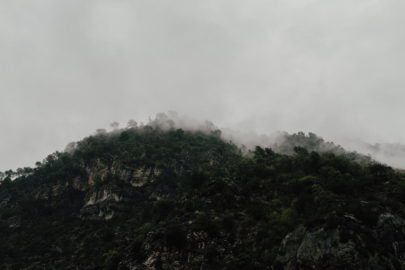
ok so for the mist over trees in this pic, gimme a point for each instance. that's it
(279, 142)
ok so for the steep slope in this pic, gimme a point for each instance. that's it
(145, 198)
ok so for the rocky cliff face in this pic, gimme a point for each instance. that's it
(103, 199)
(349, 246)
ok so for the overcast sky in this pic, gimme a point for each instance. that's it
(69, 67)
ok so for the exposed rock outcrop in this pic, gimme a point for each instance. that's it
(349, 246)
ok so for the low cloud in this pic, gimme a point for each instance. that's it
(70, 67)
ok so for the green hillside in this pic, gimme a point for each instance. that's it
(153, 198)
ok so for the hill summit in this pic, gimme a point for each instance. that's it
(161, 197)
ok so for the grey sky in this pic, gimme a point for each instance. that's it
(69, 67)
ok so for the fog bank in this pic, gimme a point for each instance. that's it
(69, 67)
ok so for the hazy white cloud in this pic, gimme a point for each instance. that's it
(70, 67)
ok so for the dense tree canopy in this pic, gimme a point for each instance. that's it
(196, 185)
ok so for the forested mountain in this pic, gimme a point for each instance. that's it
(166, 198)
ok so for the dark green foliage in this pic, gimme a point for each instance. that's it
(111, 260)
(196, 186)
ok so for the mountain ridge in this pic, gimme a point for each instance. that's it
(165, 198)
